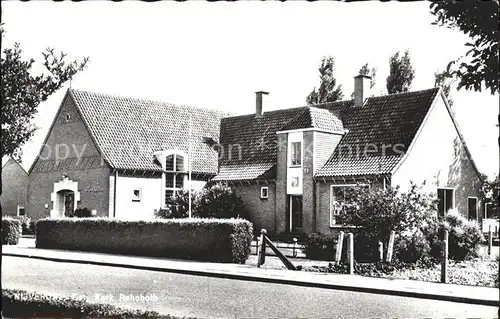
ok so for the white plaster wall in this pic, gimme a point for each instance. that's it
(431, 156)
(294, 172)
(150, 197)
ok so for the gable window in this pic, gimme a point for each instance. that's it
(20, 210)
(264, 192)
(446, 198)
(472, 207)
(338, 200)
(136, 196)
(296, 154)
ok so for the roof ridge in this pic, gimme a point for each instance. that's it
(144, 100)
(401, 93)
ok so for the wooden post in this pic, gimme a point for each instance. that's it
(294, 254)
(338, 251)
(262, 252)
(444, 261)
(390, 247)
(350, 253)
(257, 246)
(490, 240)
(380, 250)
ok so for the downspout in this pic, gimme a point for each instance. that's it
(114, 194)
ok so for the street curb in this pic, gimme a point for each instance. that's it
(391, 292)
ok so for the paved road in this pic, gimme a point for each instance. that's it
(205, 297)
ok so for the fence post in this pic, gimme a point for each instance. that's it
(262, 253)
(490, 240)
(380, 250)
(390, 247)
(444, 261)
(350, 253)
(338, 252)
(294, 247)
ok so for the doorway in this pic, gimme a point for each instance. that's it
(295, 205)
(66, 199)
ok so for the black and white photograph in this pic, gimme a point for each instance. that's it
(250, 159)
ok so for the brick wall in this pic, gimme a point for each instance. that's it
(14, 187)
(78, 158)
(282, 218)
(262, 211)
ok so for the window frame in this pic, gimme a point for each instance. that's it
(332, 220)
(266, 189)
(19, 207)
(174, 187)
(444, 204)
(486, 216)
(477, 207)
(137, 198)
(301, 159)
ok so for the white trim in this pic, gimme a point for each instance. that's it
(486, 209)
(262, 194)
(415, 138)
(64, 184)
(19, 207)
(314, 154)
(301, 154)
(312, 129)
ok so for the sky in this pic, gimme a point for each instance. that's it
(216, 55)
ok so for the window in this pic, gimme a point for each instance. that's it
(20, 210)
(337, 200)
(488, 210)
(296, 154)
(173, 183)
(264, 192)
(174, 163)
(136, 196)
(472, 205)
(446, 198)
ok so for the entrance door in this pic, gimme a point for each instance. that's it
(295, 213)
(69, 203)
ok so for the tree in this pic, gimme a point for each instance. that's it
(491, 190)
(401, 73)
(327, 91)
(444, 80)
(365, 70)
(479, 21)
(23, 92)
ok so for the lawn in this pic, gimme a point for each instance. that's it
(482, 271)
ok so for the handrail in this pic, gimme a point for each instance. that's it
(262, 252)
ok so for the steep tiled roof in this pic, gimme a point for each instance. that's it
(385, 126)
(249, 143)
(128, 131)
(313, 117)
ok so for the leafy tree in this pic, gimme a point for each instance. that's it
(444, 80)
(22, 92)
(328, 90)
(401, 73)
(376, 211)
(491, 192)
(177, 206)
(220, 201)
(479, 21)
(365, 70)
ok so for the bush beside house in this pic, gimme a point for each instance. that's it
(23, 304)
(216, 240)
(11, 231)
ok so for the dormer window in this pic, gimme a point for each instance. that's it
(296, 154)
(174, 164)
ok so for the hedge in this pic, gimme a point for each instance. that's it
(216, 240)
(11, 231)
(23, 304)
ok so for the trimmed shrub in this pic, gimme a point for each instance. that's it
(23, 304)
(464, 236)
(11, 231)
(220, 201)
(320, 247)
(217, 240)
(410, 248)
(82, 212)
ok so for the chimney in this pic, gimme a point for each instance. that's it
(361, 89)
(258, 103)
